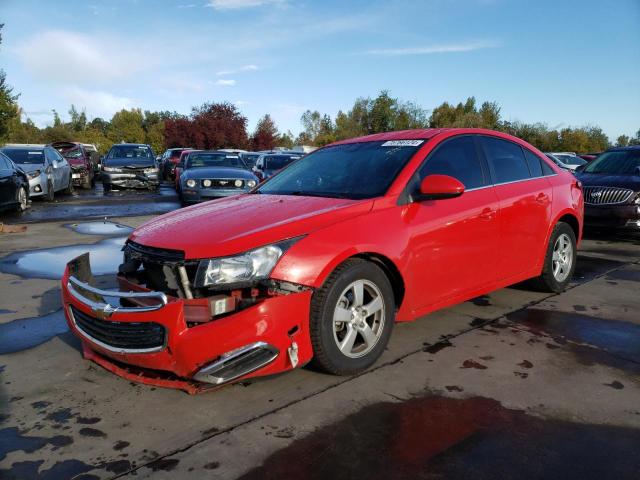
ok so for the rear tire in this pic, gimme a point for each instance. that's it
(559, 261)
(50, 193)
(351, 319)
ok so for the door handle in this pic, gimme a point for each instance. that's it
(541, 198)
(487, 214)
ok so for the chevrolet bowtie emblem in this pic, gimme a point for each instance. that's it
(104, 312)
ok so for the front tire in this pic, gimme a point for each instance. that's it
(559, 261)
(352, 316)
(69, 190)
(22, 200)
(50, 193)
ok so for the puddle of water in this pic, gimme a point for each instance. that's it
(588, 268)
(438, 437)
(50, 263)
(100, 228)
(27, 333)
(614, 336)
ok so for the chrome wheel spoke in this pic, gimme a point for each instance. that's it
(346, 345)
(373, 306)
(368, 335)
(341, 315)
(358, 293)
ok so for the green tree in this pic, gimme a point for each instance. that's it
(285, 140)
(635, 140)
(622, 141)
(126, 126)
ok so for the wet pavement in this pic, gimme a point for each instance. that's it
(96, 203)
(513, 384)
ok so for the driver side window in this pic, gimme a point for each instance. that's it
(458, 158)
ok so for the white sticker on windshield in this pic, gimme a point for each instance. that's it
(402, 143)
(35, 153)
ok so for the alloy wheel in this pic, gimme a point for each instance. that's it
(358, 318)
(562, 259)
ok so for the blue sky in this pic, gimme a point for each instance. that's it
(562, 62)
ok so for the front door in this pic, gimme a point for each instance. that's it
(453, 241)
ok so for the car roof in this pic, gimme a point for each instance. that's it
(24, 145)
(622, 149)
(424, 134)
(129, 145)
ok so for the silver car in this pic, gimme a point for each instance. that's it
(47, 170)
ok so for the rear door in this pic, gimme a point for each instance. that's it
(525, 197)
(454, 241)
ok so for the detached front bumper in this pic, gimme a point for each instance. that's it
(144, 336)
(612, 216)
(131, 180)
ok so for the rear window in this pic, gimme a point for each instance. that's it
(506, 160)
(26, 156)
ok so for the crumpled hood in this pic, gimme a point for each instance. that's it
(600, 180)
(217, 172)
(236, 224)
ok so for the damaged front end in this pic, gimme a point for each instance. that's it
(131, 177)
(167, 326)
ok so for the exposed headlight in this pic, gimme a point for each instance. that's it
(112, 169)
(191, 183)
(242, 269)
(34, 174)
(206, 183)
(251, 183)
(150, 170)
(238, 183)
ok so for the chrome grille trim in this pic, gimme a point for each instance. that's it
(606, 195)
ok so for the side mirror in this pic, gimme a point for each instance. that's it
(439, 187)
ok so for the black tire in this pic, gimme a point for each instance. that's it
(69, 190)
(547, 281)
(50, 193)
(22, 203)
(327, 355)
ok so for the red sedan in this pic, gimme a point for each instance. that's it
(320, 261)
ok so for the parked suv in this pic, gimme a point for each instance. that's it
(319, 262)
(130, 165)
(47, 170)
(612, 188)
(79, 158)
(170, 158)
(269, 164)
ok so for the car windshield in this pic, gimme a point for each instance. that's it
(197, 160)
(276, 162)
(352, 170)
(617, 162)
(25, 156)
(129, 151)
(71, 153)
(570, 159)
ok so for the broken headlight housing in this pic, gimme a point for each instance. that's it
(242, 269)
(34, 174)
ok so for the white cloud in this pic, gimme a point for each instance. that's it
(244, 68)
(97, 103)
(223, 82)
(434, 49)
(238, 4)
(63, 56)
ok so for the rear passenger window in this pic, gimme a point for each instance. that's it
(457, 158)
(506, 160)
(535, 164)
